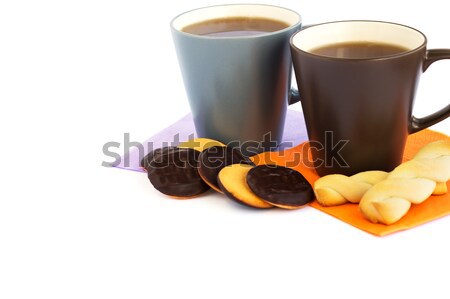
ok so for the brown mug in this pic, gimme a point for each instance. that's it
(358, 102)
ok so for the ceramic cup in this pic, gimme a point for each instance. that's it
(238, 87)
(358, 111)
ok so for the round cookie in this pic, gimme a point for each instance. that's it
(280, 186)
(200, 144)
(173, 171)
(232, 180)
(147, 158)
(213, 159)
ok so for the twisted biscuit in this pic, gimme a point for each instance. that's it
(337, 189)
(430, 162)
(410, 183)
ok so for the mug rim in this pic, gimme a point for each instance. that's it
(262, 35)
(375, 58)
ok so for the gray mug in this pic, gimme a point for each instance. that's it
(238, 87)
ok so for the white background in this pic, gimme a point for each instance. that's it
(77, 74)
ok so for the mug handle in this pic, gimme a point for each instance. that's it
(294, 96)
(417, 124)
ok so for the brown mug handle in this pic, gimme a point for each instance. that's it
(416, 123)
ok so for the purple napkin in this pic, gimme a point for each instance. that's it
(183, 130)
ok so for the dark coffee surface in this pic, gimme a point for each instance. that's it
(358, 50)
(173, 171)
(280, 185)
(213, 159)
(235, 26)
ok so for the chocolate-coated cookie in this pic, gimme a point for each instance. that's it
(214, 158)
(232, 181)
(174, 172)
(147, 158)
(280, 186)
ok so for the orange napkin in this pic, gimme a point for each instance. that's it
(431, 209)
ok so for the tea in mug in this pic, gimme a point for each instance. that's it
(235, 26)
(358, 50)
